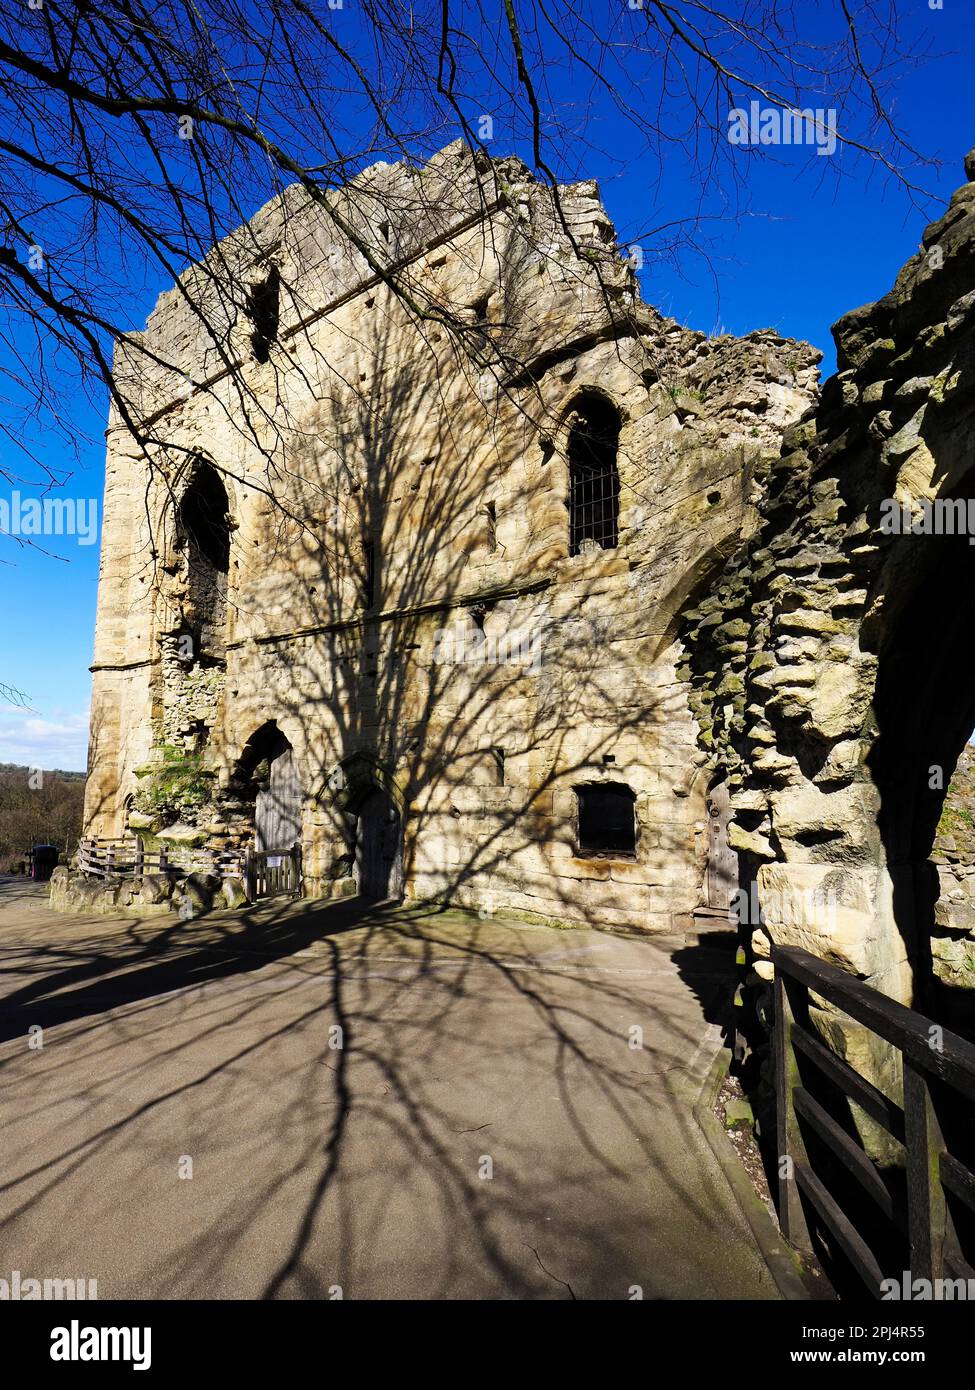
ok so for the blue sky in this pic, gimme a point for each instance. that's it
(812, 247)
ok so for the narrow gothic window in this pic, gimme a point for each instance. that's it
(203, 532)
(263, 308)
(594, 482)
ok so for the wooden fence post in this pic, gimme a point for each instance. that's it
(140, 857)
(927, 1213)
(790, 1149)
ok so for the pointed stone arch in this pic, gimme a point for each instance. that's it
(268, 784)
(202, 537)
(354, 777)
(366, 793)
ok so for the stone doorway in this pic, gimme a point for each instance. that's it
(378, 848)
(265, 792)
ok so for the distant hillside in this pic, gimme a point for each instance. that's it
(45, 809)
(48, 772)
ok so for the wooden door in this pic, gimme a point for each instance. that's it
(378, 848)
(722, 880)
(277, 812)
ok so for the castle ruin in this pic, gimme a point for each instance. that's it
(413, 601)
(576, 613)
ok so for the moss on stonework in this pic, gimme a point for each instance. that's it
(957, 821)
(736, 627)
(174, 784)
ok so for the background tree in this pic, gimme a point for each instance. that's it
(38, 808)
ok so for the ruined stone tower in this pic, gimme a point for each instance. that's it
(412, 596)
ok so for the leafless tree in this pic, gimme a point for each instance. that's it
(135, 136)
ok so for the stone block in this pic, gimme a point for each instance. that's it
(233, 894)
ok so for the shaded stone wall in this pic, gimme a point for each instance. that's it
(398, 504)
(831, 663)
(953, 942)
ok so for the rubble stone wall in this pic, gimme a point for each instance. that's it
(831, 662)
(953, 942)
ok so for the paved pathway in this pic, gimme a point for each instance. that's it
(485, 1131)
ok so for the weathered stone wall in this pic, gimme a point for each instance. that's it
(953, 942)
(832, 660)
(374, 439)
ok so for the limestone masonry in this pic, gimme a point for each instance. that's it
(832, 661)
(575, 613)
(395, 601)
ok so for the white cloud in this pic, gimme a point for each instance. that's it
(60, 741)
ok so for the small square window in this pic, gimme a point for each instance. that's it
(607, 819)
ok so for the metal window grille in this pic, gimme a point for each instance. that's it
(594, 483)
(607, 819)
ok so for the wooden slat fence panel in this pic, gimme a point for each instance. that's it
(931, 1057)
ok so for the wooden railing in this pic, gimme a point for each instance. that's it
(103, 857)
(265, 873)
(129, 857)
(938, 1081)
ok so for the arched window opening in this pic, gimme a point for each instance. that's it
(203, 518)
(263, 310)
(607, 819)
(594, 482)
(203, 533)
